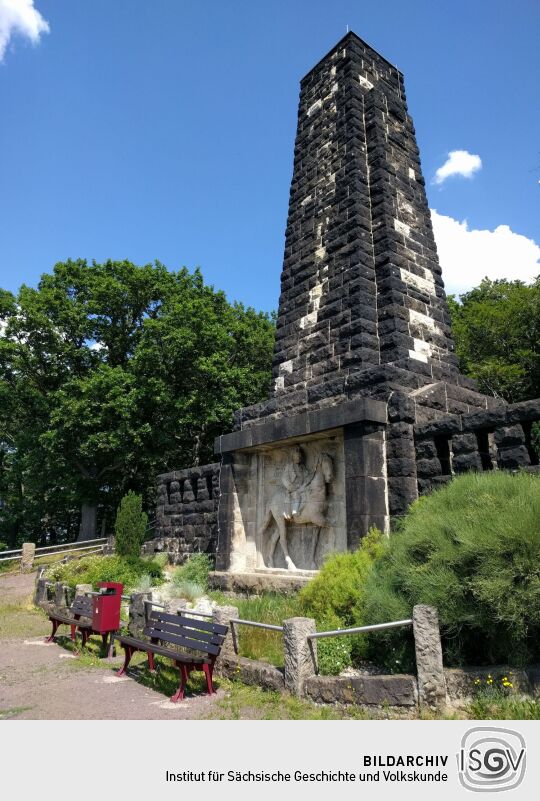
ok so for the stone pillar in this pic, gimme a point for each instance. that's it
(429, 663)
(40, 594)
(365, 481)
(300, 653)
(28, 555)
(60, 595)
(110, 545)
(223, 615)
(138, 612)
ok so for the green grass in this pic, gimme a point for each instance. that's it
(488, 706)
(252, 703)
(266, 608)
(13, 712)
(21, 619)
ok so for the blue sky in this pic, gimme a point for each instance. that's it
(165, 130)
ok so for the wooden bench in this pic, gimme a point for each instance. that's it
(80, 608)
(191, 644)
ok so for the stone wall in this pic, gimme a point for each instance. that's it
(186, 513)
(488, 440)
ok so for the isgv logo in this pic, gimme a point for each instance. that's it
(491, 759)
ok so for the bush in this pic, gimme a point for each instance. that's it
(93, 569)
(338, 589)
(195, 570)
(130, 526)
(333, 653)
(190, 590)
(3, 546)
(471, 549)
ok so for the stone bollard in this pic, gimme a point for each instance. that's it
(429, 663)
(223, 615)
(108, 548)
(60, 595)
(40, 594)
(139, 612)
(28, 555)
(300, 653)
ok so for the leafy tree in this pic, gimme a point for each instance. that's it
(497, 332)
(130, 526)
(109, 374)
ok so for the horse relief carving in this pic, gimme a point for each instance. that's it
(301, 500)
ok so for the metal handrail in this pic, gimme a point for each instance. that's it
(360, 629)
(184, 611)
(253, 623)
(58, 545)
(95, 548)
(64, 544)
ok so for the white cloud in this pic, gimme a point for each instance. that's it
(459, 162)
(469, 255)
(20, 16)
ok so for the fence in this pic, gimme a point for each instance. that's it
(29, 553)
(299, 675)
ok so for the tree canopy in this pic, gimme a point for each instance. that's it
(109, 374)
(497, 333)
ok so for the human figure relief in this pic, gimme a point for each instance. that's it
(301, 501)
(294, 479)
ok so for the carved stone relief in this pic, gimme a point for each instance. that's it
(289, 506)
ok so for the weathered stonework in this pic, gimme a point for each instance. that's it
(364, 368)
(186, 512)
(300, 653)
(429, 663)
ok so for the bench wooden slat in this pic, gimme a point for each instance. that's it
(83, 624)
(183, 631)
(161, 651)
(184, 641)
(202, 625)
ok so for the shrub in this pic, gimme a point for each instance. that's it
(196, 570)
(3, 546)
(333, 653)
(471, 549)
(130, 526)
(93, 569)
(190, 590)
(338, 589)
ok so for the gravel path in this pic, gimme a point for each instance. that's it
(40, 681)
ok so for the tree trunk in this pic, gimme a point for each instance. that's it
(87, 529)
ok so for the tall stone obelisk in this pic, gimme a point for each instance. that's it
(363, 343)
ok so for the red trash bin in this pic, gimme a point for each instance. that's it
(106, 607)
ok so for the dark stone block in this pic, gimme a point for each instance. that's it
(464, 443)
(524, 412)
(466, 462)
(427, 468)
(401, 467)
(514, 457)
(509, 436)
(363, 452)
(445, 426)
(402, 491)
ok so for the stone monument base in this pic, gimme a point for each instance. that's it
(259, 581)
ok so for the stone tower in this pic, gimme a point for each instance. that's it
(368, 406)
(361, 285)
